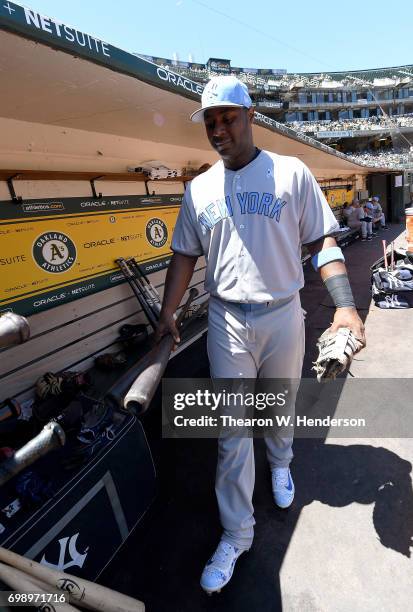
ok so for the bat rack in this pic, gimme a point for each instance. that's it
(14, 196)
(55, 175)
(92, 184)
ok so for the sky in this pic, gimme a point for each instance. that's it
(303, 36)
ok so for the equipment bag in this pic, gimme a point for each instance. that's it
(393, 289)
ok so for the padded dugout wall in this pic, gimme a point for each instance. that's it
(69, 336)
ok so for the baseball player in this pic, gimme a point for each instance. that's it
(354, 216)
(378, 214)
(367, 216)
(248, 215)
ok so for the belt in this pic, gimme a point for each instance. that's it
(253, 307)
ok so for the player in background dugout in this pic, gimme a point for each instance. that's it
(354, 216)
(249, 215)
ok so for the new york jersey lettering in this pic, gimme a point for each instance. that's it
(277, 208)
(251, 202)
(215, 212)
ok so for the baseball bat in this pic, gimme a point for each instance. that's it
(83, 591)
(141, 299)
(142, 282)
(137, 287)
(143, 388)
(141, 273)
(9, 409)
(117, 392)
(23, 583)
(115, 395)
(146, 287)
(14, 329)
(47, 588)
(386, 267)
(52, 436)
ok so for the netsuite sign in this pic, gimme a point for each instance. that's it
(56, 29)
(63, 31)
(51, 31)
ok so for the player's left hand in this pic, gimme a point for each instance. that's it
(348, 317)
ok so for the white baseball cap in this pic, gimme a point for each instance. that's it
(222, 91)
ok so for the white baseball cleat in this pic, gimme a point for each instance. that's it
(219, 569)
(282, 486)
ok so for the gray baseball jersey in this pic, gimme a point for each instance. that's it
(360, 213)
(250, 225)
(377, 209)
(352, 215)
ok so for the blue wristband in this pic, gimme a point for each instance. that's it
(326, 256)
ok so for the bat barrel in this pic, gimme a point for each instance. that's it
(52, 436)
(143, 389)
(24, 583)
(116, 393)
(14, 329)
(140, 394)
(83, 592)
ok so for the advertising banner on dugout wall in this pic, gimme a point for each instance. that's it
(337, 197)
(53, 251)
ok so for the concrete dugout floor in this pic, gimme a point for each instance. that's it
(344, 545)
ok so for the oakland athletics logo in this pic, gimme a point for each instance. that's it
(156, 233)
(54, 252)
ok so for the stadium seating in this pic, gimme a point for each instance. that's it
(385, 158)
(370, 123)
(321, 101)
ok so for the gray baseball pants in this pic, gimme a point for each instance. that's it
(366, 227)
(267, 343)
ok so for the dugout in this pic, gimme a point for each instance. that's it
(391, 189)
(76, 113)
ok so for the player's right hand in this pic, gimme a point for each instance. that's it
(167, 325)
